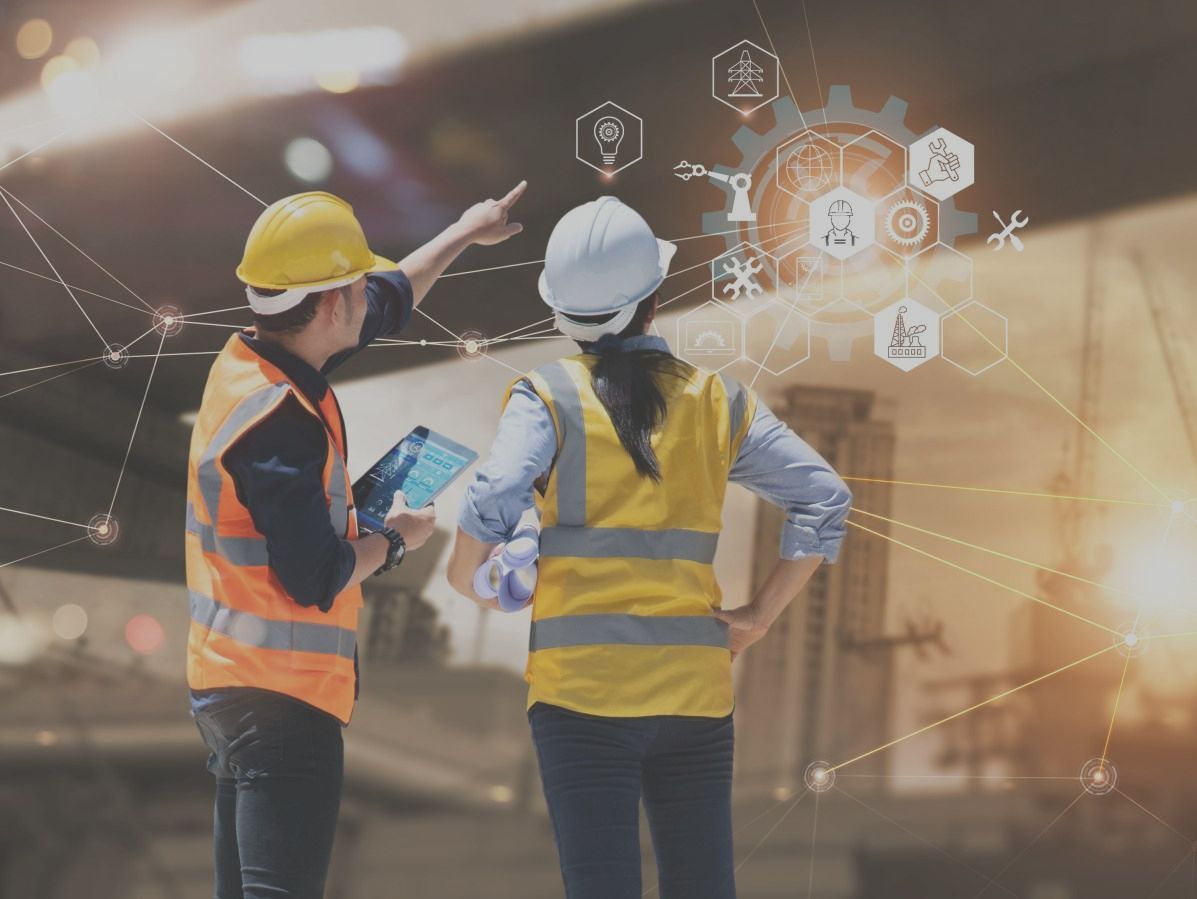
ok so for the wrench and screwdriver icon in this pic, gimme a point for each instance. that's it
(1008, 231)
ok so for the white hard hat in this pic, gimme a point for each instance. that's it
(840, 207)
(602, 258)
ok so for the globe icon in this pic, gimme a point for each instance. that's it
(810, 167)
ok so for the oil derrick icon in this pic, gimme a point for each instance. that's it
(905, 342)
(745, 75)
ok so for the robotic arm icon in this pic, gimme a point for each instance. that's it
(740, 183)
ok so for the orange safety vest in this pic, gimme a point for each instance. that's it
(246, 631)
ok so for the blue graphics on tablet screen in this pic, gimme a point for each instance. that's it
(420, 465)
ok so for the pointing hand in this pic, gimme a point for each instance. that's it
(486, 222)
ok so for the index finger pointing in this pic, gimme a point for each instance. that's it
(516, 192)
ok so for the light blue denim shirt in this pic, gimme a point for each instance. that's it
(774, 463)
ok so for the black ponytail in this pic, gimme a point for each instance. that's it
(627, 384)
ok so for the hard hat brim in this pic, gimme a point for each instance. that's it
(666, 250)
(379, 264)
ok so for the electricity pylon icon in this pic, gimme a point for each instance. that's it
(746, 74)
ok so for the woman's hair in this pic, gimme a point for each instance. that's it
(627, 384)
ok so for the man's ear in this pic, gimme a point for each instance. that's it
(335, 302)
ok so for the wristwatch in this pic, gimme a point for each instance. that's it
(395, 553)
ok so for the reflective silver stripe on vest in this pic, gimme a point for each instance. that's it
(249, 550)
(737, 404)
(640, 630)
(248, 409)
(253, 630)
(338, 509)
(630, 543)
(237, 550)
(571, 460)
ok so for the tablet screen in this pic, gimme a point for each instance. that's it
(422, 464)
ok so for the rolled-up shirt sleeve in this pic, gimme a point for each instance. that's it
(522, 451)
(782, 468)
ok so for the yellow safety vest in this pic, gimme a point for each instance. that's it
(246, 630)
(621, 616)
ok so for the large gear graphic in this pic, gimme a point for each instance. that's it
(839, 118)
(907, 223)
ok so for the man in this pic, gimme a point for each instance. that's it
(840, 216)
(274, 557)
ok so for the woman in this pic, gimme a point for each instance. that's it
(629, 663)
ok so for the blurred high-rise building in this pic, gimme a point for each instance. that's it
(817, 686)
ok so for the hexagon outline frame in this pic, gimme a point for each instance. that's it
(885, 138)
(956, 310)
(790, 310)
(917, 184)
(681, 343)
(855, 195)
(936, 316)
(578, 139)
(926, 198)
(733, 251)
(776, 77)
(951, 249)
(778, 168)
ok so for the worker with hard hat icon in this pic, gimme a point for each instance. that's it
(274, 557)
(839, 214)
(627, 451)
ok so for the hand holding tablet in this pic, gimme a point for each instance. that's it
(421, 465)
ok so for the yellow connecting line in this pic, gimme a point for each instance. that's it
(986, 578)
(1087, 499)
(1026, 374)
(999, 554)
(973, 708)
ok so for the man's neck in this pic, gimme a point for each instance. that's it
(301, 349)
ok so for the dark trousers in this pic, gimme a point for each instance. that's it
(278, 764)
(595, 770)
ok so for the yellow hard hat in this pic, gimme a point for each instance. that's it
(303, 243)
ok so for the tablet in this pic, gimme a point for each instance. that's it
(422, 464)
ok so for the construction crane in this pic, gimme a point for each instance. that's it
(1169, 337)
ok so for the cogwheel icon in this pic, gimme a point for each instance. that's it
(867, 137)
(907, 223)
(608, 130)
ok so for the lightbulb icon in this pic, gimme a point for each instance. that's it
(608, 131)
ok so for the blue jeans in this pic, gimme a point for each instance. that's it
(278, 764)
(595, 769)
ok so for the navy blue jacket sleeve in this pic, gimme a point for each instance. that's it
(277, 467)
(389, 303)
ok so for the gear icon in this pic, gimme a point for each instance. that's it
(907, 223)
(608, 130)
(841, 122)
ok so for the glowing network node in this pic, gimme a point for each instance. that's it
(423, 341)
(1178, 505)
(116, 356)
(1129, 639)
(168, 321)
(103, 529)
(819, 777)
(472, 346)
(1098, 777)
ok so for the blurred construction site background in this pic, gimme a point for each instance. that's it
(1049, 477)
